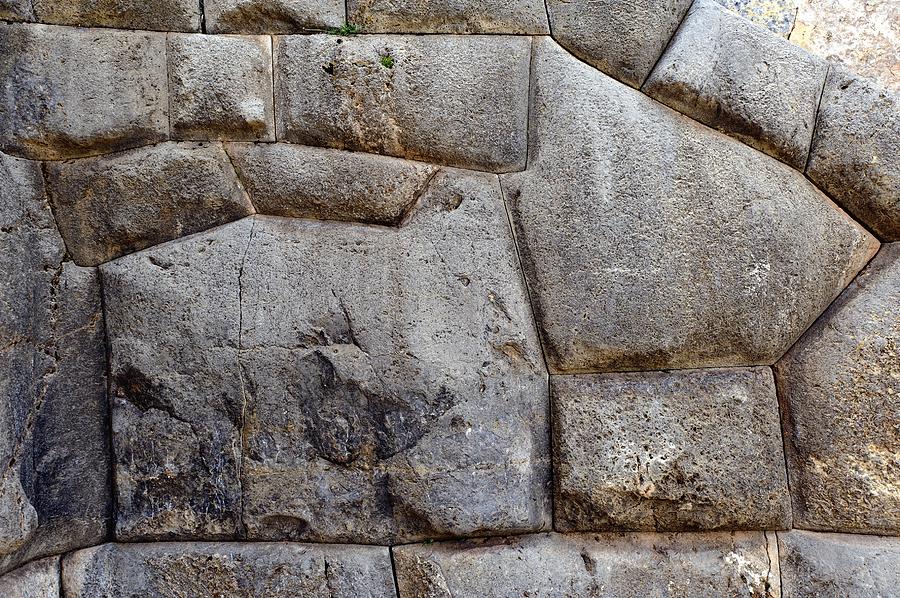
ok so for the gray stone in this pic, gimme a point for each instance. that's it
(855, 155)
(455, 100)
(689, 450)
(16, 10)
(112, 205)
(568, 566)
(840, 392)
(164, 15)
(54, 493)
(838, 565)
(651, 242)
(745, 81)
(37, 579)
(775, 15)
(272, 16)
(306, 182)
(622, 39)
(220, 87)
(449, 16)
(229, 570)
(80, 92)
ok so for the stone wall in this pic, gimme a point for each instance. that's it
(412, 298)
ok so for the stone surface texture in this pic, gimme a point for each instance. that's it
(840, 392)
(168, 15)
(453, 100)
(855, 155)
(763, 90)
(272, 16)
(834, 565)
(448, 16)
(220, 87)
(37, 579)
(672, 246)
(777, 16)
(698, 450)
(306, 182)
(620, 565)
(16, 10)
(78, 92)
(116, 204)
(622, 39)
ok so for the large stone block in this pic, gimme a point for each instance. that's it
(840, 392)
(54, 493)
(622, 39)
(745, 81)
(164, 15)
(448, 16)
(272, 16)
(691, 450)
(651, 242)
(37, 579)
(112, 205)
(454, 100)
(220, 87)
(80, 92)
(229, 569)
(855, 155)
(838, 565)
(376, 385)
(308, 182)
(621, 565)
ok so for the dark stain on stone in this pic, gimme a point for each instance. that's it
(139, 390)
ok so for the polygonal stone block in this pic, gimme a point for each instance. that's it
(651, 242)
(309, 182)
(448, 16)
(80, 92)
(272, 16)
(161, 15)
(116, 204)
(37, 579)
(745, 81)
(691, 450)
(454, 100)
(840, 392)
(220, 87)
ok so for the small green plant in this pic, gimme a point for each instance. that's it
(347, 29)
(387, 61)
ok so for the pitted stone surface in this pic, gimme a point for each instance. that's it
(272, 16)
(16, 10)
(37, 579)
(306, 182)
(742, 80)
(650, 242)
(79, 92)
(620, 565)
(622, 39)
(112, 205)
(840, 389)
(229, 569)
(855, 154)
(53, 482)
(454, 100)
(164, 15)
(692, 450)
(775, 15)
(838, 565)
(220, 87)
(448, 16)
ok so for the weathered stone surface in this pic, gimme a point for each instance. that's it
(229, 569)
(220, 87)
(620, 565)
(448, 16)
(37, 579)
(307, 182)
(165, 15)
(53, 490)
(775, 15)
(742, 80)
(79, 92)
(838, 565)
(272, 16)
(840, 392)
(455, 100)
(855, 155)
(691, 450)
(112, 205)
(16, 10)
(622, 39)
(650, 242)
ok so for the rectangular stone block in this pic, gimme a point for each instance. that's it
(160, 15)
(449, 16)
(272, 16)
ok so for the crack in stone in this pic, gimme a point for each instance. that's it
(240, 346)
